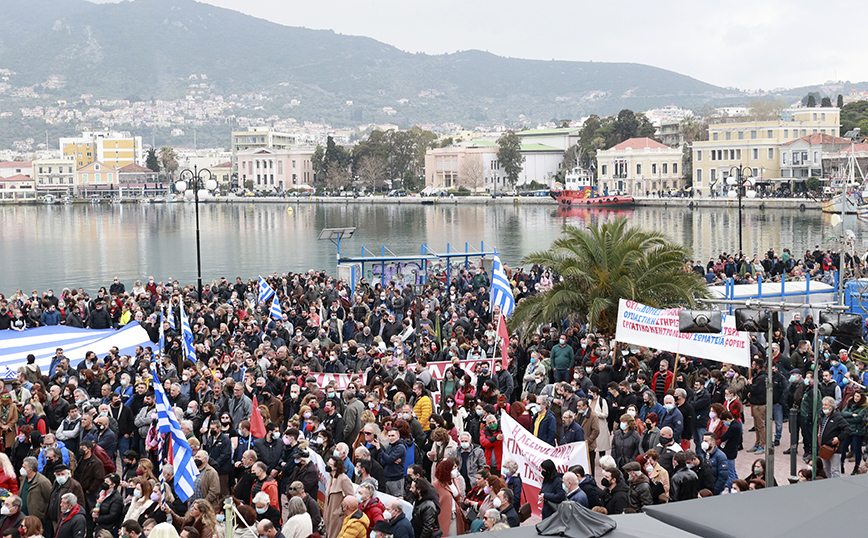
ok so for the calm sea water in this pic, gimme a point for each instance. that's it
(86, 245)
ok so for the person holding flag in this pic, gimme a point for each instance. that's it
(180, 455)
(266, 292)
(502, 301)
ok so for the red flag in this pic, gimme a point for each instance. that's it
(504, 342)
(257, 426)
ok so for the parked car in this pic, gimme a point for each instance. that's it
(397, 193)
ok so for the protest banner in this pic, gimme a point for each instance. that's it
(645, 326)
(529, 452)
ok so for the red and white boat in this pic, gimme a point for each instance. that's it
(579, 191)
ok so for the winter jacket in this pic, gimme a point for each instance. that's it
(392, 457)
(683, 484)
(640, 492)
(219, 449)
(475, 461)
(374, 510)
(401, 527)
(269, 452)
(71, 525)
(625, 446)
(731, 439)
(424, 519)
(675, 420)
(591, 491)
(701, 402)
(720, 466)
(111, 511)
(492, 445)
(617, 499)
(547, 428)
(90, 473)
(355, 525)
(855, 415)
(835, 426)
(553, 492)
(38, 493)
(572, 434)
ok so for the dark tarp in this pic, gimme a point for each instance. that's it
(835, 506)
(573, 520)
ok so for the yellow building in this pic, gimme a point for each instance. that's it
(96, 179)
(54, 176)
(113, 149)
(755, 145)
(639, 167)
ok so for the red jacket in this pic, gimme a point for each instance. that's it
(669, 377)
(9, 482)
(374, 510)
(492, 445)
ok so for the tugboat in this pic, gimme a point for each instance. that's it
(579, 190)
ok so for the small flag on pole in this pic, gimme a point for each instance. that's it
(162, 334)
(172, 317)
(265, 291)
(181, 453)
(501, 292)
(276, 312)
(257, 426)
(503, 334)
(187, 337)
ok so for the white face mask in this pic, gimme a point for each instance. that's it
(387, 514)
(497, 502)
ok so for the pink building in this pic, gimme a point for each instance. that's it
(275, 170)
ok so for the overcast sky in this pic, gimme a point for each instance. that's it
(750, 44)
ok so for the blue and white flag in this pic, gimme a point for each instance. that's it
(187, 337)
(182, 455)
(172, 316)
(501, 292)
(276, 312)
(266, 292)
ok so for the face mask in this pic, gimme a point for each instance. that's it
(136, 493)
(260, 510)
(387, 514)
(807, 381)
(461, 383)
(480, 412)
(623, 426)
(649, 469)
(406, 416)
(5, 510)
(589, 370)
(631, 412)
(454, 473)
(450, 404)
(371, 405)
(465, 445)
(155, 497)
(220, 517)
(492, 426)
(562, 341)
(826, 411)
(669, 407)
(665, 441)
(604, 482)
(307, 414)
(845, 380)
(757, 470)
(712, 414)
(486, 490)
(497, 502)
(705, 446)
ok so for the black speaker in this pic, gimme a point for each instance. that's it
(699, 321)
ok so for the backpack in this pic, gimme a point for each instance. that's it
(103, 456)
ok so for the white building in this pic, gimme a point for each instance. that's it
(639, 166)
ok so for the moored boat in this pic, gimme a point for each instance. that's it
(579, 190)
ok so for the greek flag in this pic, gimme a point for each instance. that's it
(276, 312)
(501, 292)
(265, 291)
(171, 316)
(182, 455)
(187, 336)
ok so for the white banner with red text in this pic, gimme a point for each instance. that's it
(529, 452)
(645, 326)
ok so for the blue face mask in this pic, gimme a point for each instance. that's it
(261, 510)
(220, 517)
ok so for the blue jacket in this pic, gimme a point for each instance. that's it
(720, 466)
(401, 527)
(50, 318)
(553, 492)
(513, 482)
(573, 434)
(658, 409)
(548, 428)
(389, 456)
(63, 450)
(675, 420)
(579, 497)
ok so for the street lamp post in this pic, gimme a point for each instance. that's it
(741, 173)
(190, 182)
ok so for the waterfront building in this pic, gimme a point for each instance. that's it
(639, 166)
(275, 170)
(14, 168)
(135, 180)
(54, 176)
(223, 174)
(96, 179)
(259, 138)
(474, 166)
(803, 157)
(17, 187)
(756, 145)
(108, 147)
(562, 138)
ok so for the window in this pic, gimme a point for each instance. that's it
(699, 176)
(110, 177)
(713, 155)
(674, 168)
(786, 133)
(653, 168)
(728, 135)
(97, 178)
(755, 172)
(770, 133)
(638, 169)
(741, 135)
(713, 175)
(816, 157)
(714, 136)
(823, 116)
(604, 170)
(755, 154)
(771, 153)
(280, 167)
(699, 155)
(665, 167)
(815, 116)
(84, 178)
(804, 132)
(784, 157)
(753, 135)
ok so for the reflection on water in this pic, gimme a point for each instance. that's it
(86, 245)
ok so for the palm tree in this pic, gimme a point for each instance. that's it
(603, 264)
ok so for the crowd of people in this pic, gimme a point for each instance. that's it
(82, 454)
